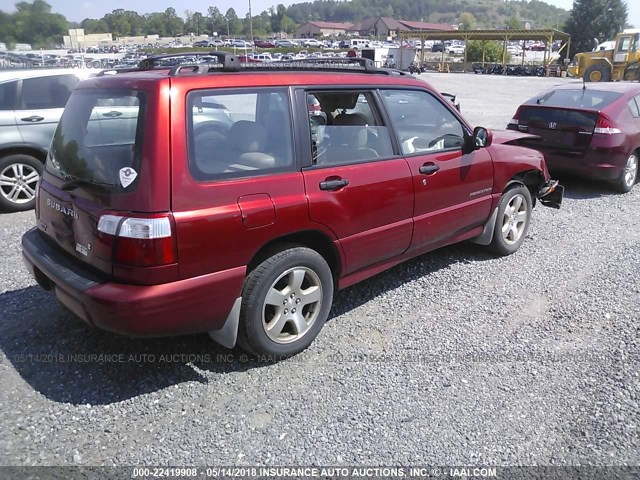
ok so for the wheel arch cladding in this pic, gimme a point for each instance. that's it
(312, 239)
(34, 152)
(532, 179)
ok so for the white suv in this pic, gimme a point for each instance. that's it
(31, 103)
(312, 42)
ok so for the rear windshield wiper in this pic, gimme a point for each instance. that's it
(78, 182)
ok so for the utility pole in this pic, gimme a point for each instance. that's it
(250, 25)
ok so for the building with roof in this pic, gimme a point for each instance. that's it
(80, 40)
(322, 29)
(386, 27)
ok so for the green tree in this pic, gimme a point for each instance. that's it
(235, 24)
(514, 23)
(7, 30)
(217, 21)
(156, 24)
(91, 25)
(288, 25)
(35, 24)
(594, 19)
(277, 15)
(173, 23)
(492, 51)
(467, 21)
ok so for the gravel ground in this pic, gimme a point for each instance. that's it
(453, 358)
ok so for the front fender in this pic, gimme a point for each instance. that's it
(510, 161)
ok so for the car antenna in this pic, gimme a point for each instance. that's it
(584, 84)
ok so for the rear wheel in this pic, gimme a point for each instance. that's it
(629, 175)
(285, 302)
(512, 224)
(597, 73)
(19, 175)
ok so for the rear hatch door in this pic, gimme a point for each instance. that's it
(558, 128)
(107, 157)
(564, 119)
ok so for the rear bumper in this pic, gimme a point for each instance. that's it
(605, 162)
(192, 305)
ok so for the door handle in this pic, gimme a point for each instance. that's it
(32, 118)
(429, 168)
(334, 184)
(112, 114)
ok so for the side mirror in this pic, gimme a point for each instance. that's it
(481, 138)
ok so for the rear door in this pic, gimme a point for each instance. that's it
(235, 182)
(9, 132)
(452, 189)
(357, 186)
(40, 106)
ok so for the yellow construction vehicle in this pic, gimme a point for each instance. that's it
(620, 63)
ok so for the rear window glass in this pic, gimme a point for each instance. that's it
(99, 137)
(582, 98)
(239, 133)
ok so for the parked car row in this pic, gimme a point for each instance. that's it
(261, 195)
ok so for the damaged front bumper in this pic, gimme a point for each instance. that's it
(551, 194)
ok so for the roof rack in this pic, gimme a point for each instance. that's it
(228, 62)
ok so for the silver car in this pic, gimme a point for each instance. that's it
(31, 103)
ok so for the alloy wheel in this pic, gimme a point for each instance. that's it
(292, 305)
(631, 170)
(18, 183)
(514, 220)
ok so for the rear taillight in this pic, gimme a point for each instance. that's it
(605, 126)
(140, 241)
(515, 121)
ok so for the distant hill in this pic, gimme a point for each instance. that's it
(488, 13)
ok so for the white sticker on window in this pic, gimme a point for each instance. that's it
(127, 176)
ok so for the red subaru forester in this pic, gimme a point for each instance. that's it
(210, 198)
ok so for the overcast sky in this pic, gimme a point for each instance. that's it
(77, 10)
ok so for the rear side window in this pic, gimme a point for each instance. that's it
(47, 92)
(633, 106)
(346, 127)
(99, 137)
(582, 98)
(239, 133)
(8, 95)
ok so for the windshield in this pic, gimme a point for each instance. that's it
(579, 98)
(99, 138)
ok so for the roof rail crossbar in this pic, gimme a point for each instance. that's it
(227, 60)
(190, 68)
(366, 63)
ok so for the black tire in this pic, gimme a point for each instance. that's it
(501, 244)
(10, 167)
(597, 73)
(629, 175)
(252, 330)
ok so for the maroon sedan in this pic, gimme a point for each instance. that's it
(591, 130)
(264, 44)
